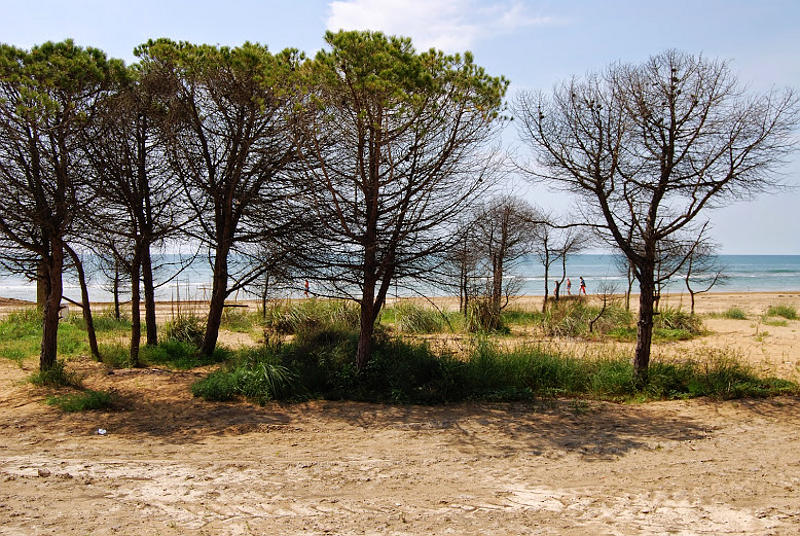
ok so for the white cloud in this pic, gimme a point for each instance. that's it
(450, 25)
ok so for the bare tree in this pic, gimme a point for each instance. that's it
(571, 242)
(650, 146)
(461, 265)
(397, 153)
(703, 268)
(505, 232)
(546, 249)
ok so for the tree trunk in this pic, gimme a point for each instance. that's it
(149, 297)
(644, 331)
(546, 286)
(218, 294)
(115, 290)
(52, 305)
(264, 296)
(86, 305)
(136, 319)
(42, 283)
(497, 284)
(367, 325)
(630, 287)
(465, 292)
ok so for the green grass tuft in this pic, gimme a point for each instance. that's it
(670, 318)
(180, 355)
(734, 313)
(786, 311)
(186, 329)
(56, 376)
(115, 354)
(411, 318)
(83, 401)
(239, 320)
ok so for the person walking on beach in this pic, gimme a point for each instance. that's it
(569, 287)
(583, 287)
(307, 286)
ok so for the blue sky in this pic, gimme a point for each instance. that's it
(535, 44)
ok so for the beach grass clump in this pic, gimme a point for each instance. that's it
(734, 313)
(254, 375)
(239, 320)
(674, 318)
(185, 328)
(56, 376)
(571, 318)
(522, 373)
(87, 400)
(786, 311)
(412, 318)
(313, 314)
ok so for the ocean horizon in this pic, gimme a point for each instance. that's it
(742, 273)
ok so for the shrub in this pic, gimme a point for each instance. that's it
(786, 311)
(256, 376)
(219, 386)
(83, 401)
(185, 328)
(56, 376)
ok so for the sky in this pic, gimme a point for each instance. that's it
(533, 43)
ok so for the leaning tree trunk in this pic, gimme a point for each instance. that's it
(85, 304)
(149, 297)
(644, 331)
(52, 305)
(219, 291)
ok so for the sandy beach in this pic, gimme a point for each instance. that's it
(173, 464)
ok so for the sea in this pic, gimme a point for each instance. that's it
(742, 273)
